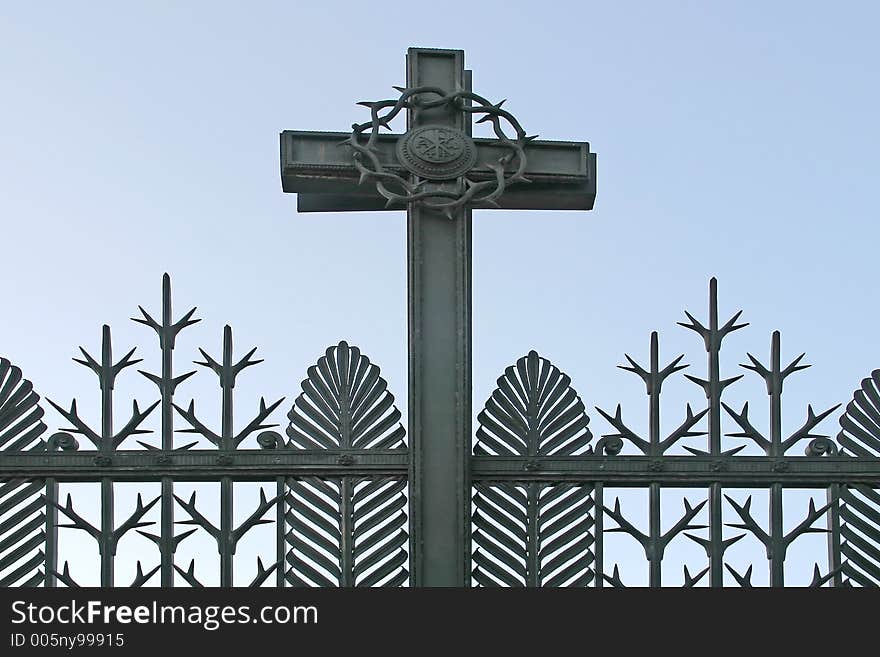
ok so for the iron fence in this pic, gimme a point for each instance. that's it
(340, 501)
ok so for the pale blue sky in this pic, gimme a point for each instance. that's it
(735, 139)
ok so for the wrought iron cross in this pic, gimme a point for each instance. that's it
(438, 173)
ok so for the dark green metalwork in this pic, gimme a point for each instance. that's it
(348, 530)
(27, 525)
(853, 556)
(654, 543)
(438, 185)
(776, 541)
(363, 457)
(355, 502)
(855, 507)
(435, 152)
(167, 383)
(537, 514)
(226, 535)
(535, 533)
(106, 443)
(714, 387)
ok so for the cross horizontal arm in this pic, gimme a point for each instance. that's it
(321, 172)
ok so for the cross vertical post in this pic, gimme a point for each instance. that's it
(439, 300)
(438, 172)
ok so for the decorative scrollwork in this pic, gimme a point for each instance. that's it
(63, 441)
(821, 446)
(609, 445)
(508, 169)
(270, 440)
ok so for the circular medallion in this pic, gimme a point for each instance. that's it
(436, 152)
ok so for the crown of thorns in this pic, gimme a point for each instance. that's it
(508, 169)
